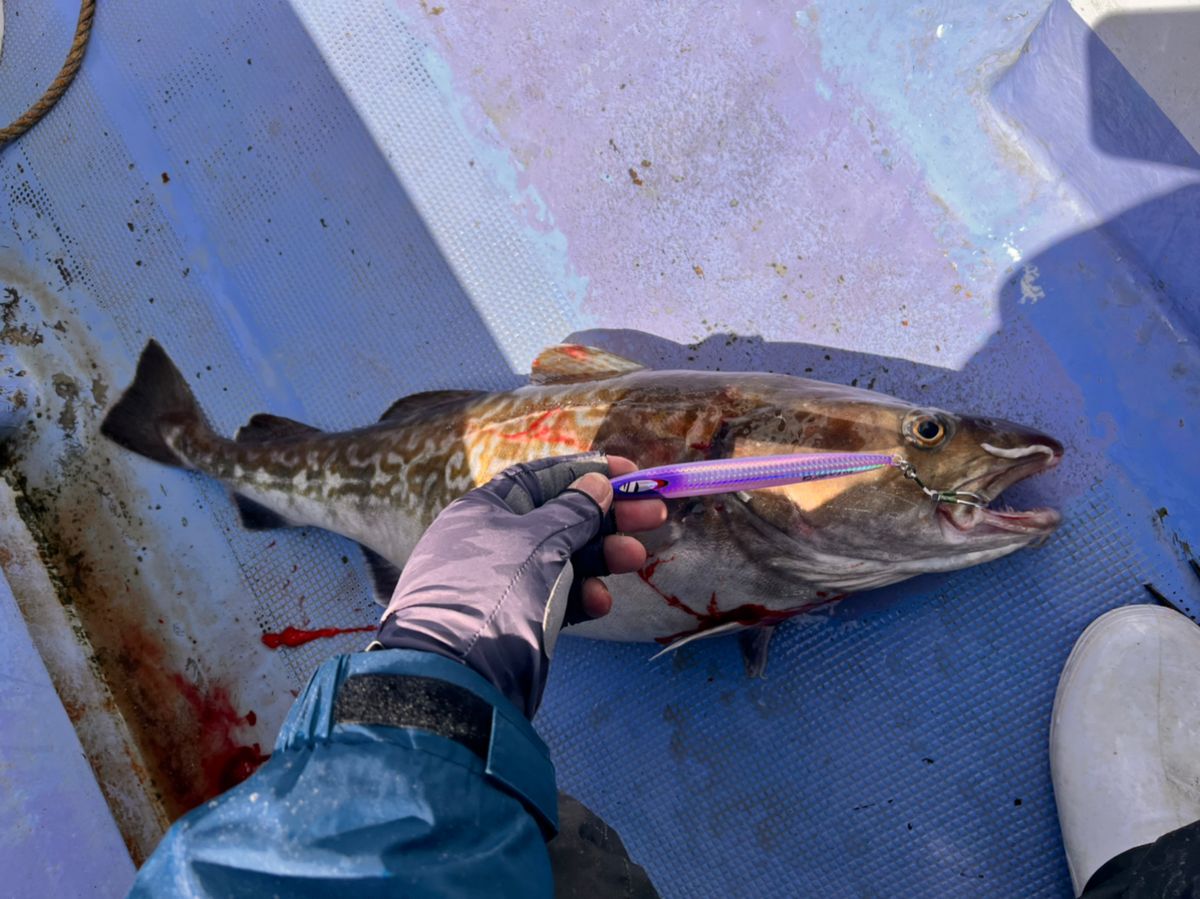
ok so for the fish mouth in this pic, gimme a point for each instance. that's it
(968, 521)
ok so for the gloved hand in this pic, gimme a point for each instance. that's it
(489, 584)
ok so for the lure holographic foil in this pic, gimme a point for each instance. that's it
(748, 473)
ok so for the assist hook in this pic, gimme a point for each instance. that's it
(957, 497)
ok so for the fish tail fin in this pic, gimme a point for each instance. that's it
(159, 396)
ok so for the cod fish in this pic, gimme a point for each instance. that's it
(738, 562)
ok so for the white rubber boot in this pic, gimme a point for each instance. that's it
(1125, 735)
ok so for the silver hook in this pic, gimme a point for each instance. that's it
(956, 497)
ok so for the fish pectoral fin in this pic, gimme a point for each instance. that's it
(429, 401)
(384, 575)
(569, 362)
(755, 641)
(727, 628)
(265, 427)
(257, 517)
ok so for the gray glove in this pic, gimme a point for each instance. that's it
(490, 581)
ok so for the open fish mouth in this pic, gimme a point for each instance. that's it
(997, 517)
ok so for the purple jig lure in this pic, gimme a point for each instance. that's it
(749, 473)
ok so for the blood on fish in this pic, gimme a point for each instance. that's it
(294, 636)
(541, 430)
(749, 614)
(646, 572)
(576, 352)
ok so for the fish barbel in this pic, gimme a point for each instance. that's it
(720, 563)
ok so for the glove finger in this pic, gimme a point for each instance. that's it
(589, 560)
(574, 521)
(575, 517)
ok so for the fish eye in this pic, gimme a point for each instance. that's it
(924, 429)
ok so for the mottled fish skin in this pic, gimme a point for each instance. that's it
(719, 562)
(380, 485)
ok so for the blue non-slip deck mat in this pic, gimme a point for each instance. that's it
(332, 207)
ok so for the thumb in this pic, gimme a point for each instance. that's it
(574, 516)
(598, 487)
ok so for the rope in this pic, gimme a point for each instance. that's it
(58, 87)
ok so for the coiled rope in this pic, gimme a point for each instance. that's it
(58, 87)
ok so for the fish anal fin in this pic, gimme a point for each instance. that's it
(570, 362)
(728, 627)
(265, 427)
(427, 402)
(384, 575)
(257, 517)
(754, 643)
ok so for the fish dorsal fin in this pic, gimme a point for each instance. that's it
(570, 362)
(427, 402)
(264, 427)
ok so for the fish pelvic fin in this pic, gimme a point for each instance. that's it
(571, 362)
(263, 428)
(754, 643)
(159, 396)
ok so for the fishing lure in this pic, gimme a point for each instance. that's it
(711, 476)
